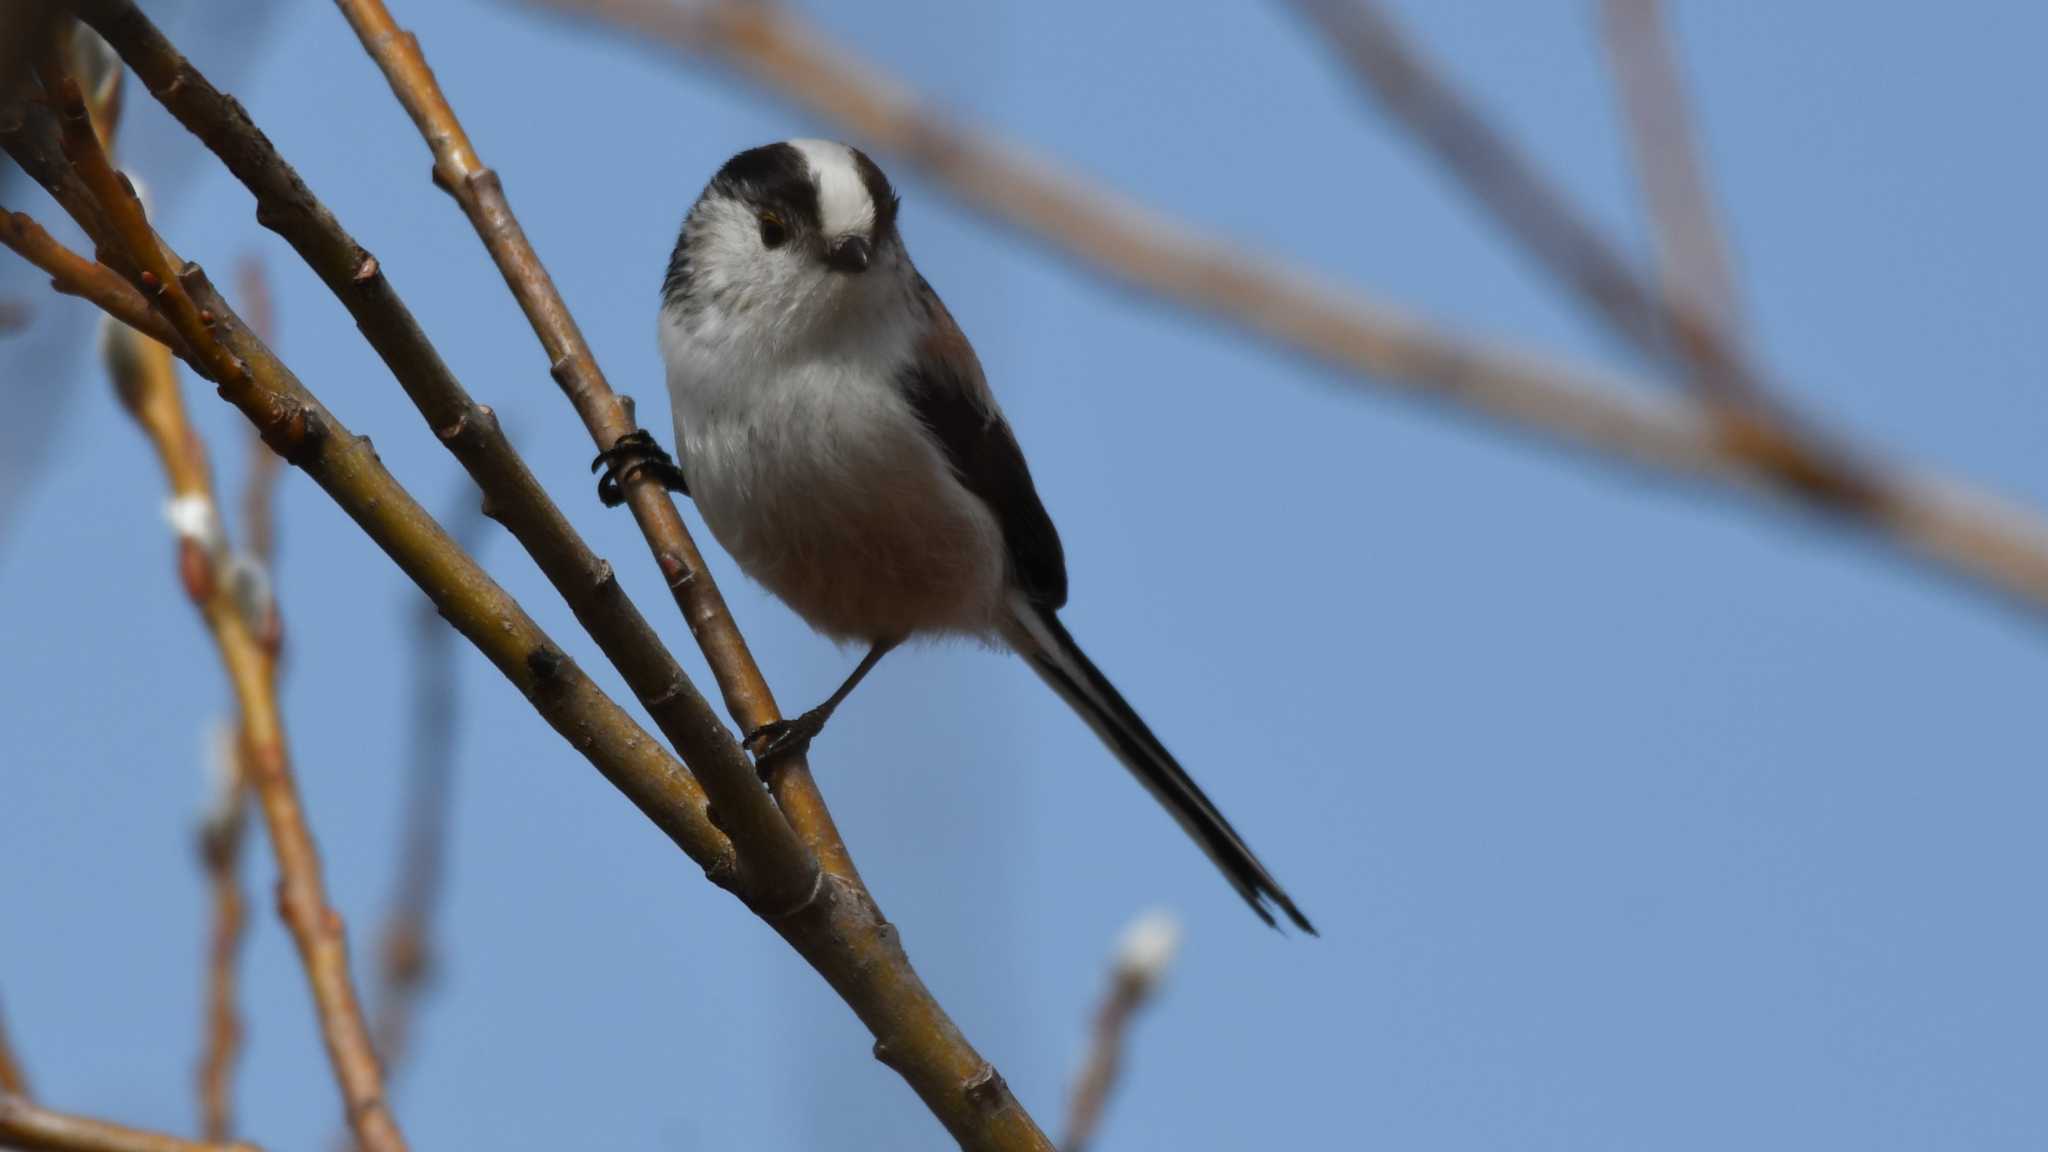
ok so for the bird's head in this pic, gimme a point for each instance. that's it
(793, 234)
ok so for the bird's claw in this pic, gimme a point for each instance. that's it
(633, 453)
(781, 738)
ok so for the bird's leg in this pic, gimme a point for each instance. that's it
(790, 737)
(634, 452)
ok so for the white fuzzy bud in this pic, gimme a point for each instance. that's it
(1145, 950)
(192, 518)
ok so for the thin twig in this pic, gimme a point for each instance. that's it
(28, 1128)
(296, 426)
(777, 873)
(1143, 955)
(1821, 468)
(1511, 186)
(1692, 257)
(407, 955)
(1958, 529)
(221, 836)
(608, 417)
(223, 831)
(302, 898)
(74, 275)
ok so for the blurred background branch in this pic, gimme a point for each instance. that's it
(1143, 955)
(145, 376)
(407, 952)
(224, 828)
(1960, 530)
(25, 1127)
(1693, 265)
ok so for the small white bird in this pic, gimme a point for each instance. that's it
(837, 434)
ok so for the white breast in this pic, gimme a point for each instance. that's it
(814, 472)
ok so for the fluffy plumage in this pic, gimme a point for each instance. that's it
(842, 443)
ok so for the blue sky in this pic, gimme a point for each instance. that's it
(1633, 818)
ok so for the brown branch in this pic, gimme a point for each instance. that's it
(221, 836)
(28, 1128)
(406, 951)
(776, 873)
(1515, 190)
(1142, 958)
(1692, 258)
(152, 395)
(222, 832)
(27, 27)
(608, 417)
(1959, 530)
(74, 275)
(296, 426)
(13, 1081)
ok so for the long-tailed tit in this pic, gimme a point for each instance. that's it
(837, 434)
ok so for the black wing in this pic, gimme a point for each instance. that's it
(945, 386)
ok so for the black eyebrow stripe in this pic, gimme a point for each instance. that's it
(773, 176)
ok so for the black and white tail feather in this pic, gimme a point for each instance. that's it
(1059, 661)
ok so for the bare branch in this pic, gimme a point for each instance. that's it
(1533, 210)
(222, 832)
(608, 417)
(1142, 957)
(1959, 530)
(1692, 257)
(74, 275)
(298, 427)
(221, 835)
(148, 385)
(31, 1129)
(406, 951)
(778, 874)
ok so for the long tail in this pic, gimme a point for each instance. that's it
(1041, 639)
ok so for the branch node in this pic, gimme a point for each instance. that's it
(473, 418)
(545, 662)
(195, 571)
(985, 1089)
(675, 570)
(296, 434)
(676, 687)
(367, 270)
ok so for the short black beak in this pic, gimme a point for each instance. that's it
(849, 255)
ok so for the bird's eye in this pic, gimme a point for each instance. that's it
(773, 230)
